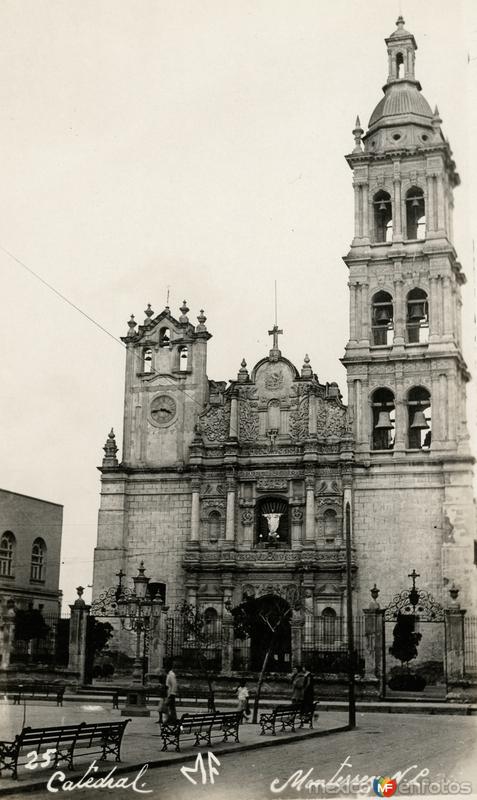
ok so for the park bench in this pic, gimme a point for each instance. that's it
(306, 717)
(59, 744)
(200, 728)
(286, 715)
(34, 691)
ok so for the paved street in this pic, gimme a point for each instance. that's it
(382, 745)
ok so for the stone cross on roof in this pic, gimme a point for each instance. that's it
(275, 352)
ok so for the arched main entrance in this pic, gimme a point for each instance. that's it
(273, 628)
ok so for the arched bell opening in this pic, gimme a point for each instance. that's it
(383, 419)
(164, 337)
(417, 317)
(415, 214)
(419, 419)
(147, 360)
(382, 319)
(183, 358)
(383, 217)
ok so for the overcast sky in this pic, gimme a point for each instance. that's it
(196, 145)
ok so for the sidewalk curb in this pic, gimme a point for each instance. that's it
(39, 786)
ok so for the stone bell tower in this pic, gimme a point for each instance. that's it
(406, 372)
(166, 387)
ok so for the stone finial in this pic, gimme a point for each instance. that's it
(202, 319)
(358, 134)
(79, 602)
(131, 325)
(184, 319)
(242, 374)
(400, 22)
(454, 594)
(149, 313)
(374, 595)
(436, 118)
(110, 450)
(306, 370)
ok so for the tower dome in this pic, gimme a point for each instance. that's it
(401, 99)
(403, 102)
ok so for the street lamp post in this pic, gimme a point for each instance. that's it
(349, 624)
(137, 611)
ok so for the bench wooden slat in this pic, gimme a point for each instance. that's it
(200, 727)
(67, 740)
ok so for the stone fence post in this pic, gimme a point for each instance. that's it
(455, 646)
(78, 629)
(373, 648)
(227, 645)
(297, 623)
(157, 642)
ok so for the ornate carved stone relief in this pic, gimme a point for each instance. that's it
(297, 514)
(299, 414)
(212, 504)
(247, 516)
(248, 417)
(272, 484)
(214, 424)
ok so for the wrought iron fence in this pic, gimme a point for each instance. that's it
(324, 647)
(470, 645)
(194, 650)
(325, 644)
(40, 639)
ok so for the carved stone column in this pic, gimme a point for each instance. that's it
(248, 517)
(234, 417)
(397, 221)
(447, 292)
(230, 511)
(399, 312)
(310, 508)
(430, 212)
(434, 327)
(195, 510)
(365, 210)
(312, 415)
(296, 526)
(364, 314)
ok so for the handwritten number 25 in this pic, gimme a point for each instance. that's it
(34, 761)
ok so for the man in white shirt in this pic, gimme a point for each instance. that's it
(171, 684)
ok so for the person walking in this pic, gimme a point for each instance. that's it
(162, 693)
(298, 686)
(242, 698)
(171, 684)
(309, 692)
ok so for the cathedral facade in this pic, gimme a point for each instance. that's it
(247, 487)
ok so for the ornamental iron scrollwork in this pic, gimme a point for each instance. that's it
(415, 602)
(106, 605)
